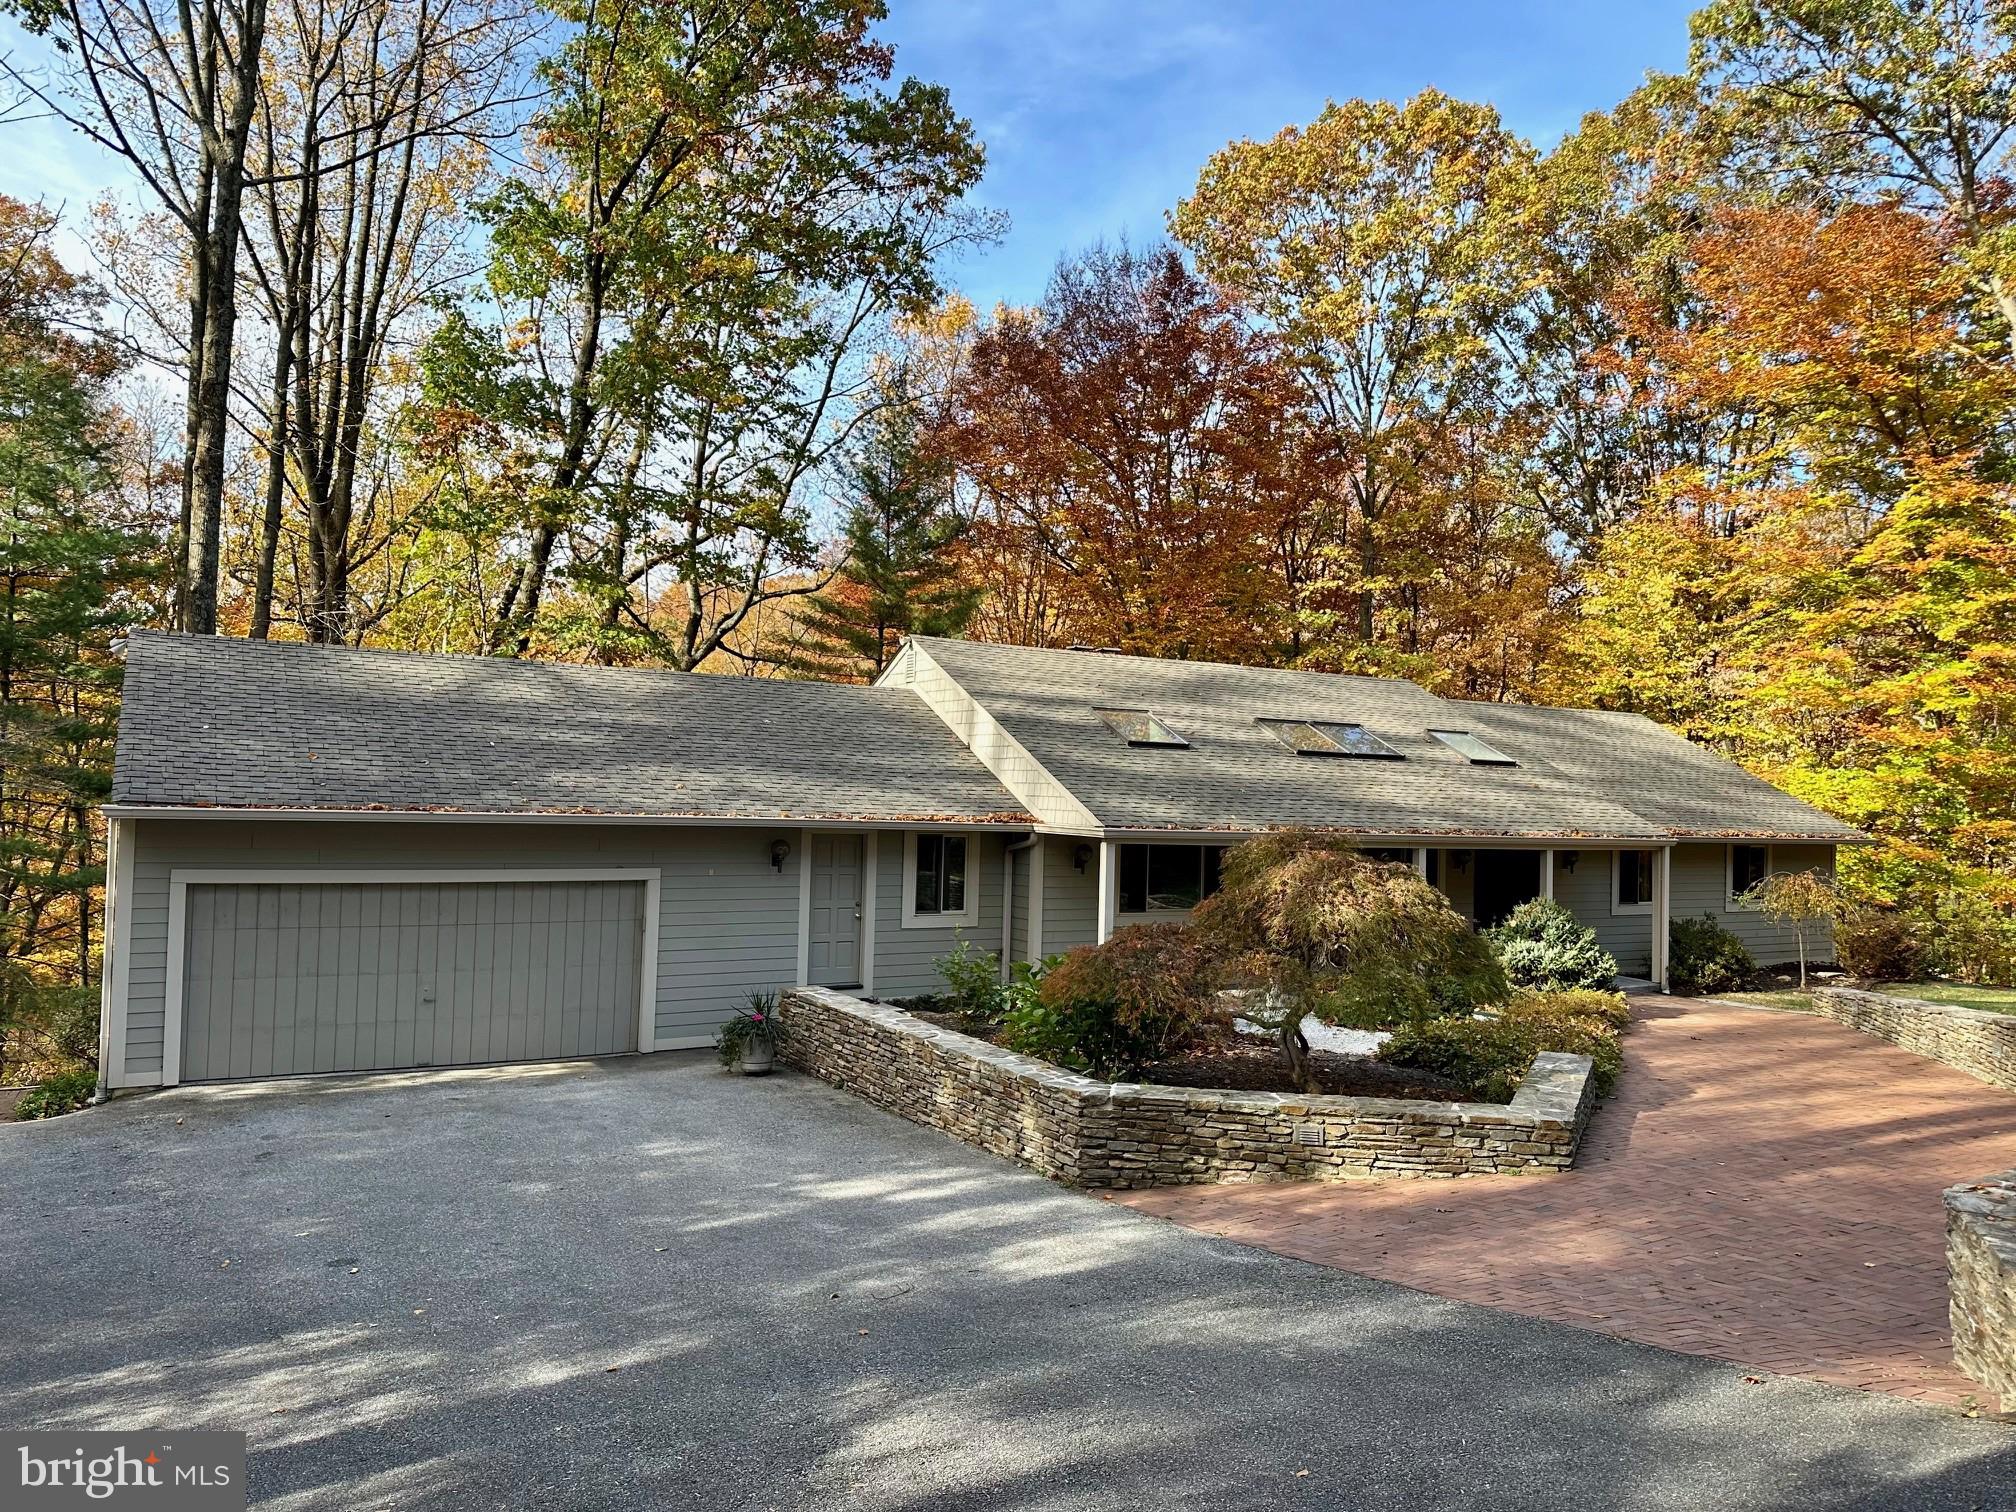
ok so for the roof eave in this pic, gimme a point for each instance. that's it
(1000, 821)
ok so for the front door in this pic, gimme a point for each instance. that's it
(1505, 879)
(836, 911)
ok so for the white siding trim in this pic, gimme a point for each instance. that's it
(181, 878)
(115, 965)
(1109, 889)
(1547, 875)
(968, 918)
(981, 733)
(1662, 917)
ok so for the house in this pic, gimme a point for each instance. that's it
(325, 859)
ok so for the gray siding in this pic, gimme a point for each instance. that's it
(728, 922)
(1701, 885)
(906, 959)
(1070, 897)
(1587, 892)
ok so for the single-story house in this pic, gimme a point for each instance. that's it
(325, 859)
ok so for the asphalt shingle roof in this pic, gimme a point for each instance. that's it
(1580, 773)
(216, 721)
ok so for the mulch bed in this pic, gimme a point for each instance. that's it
(1249, 1063)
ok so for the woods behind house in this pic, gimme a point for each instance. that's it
(631, 334)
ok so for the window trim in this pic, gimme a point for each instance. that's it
(1617, 909)
(1730, 901)
(970, 918)
(1164, 915)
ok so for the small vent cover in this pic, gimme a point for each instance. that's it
(1309, 1134)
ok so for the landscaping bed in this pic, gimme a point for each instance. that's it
(1237, 1062)
(1103, 1134)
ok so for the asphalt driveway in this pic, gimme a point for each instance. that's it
(647, 1284)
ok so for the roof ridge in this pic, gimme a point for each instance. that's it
(240, 644)
(1169, 661)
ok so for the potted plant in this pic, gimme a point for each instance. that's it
(748, 1041)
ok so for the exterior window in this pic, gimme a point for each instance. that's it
(1477, 751)
(1319, 737)
(1167, 879)
(1634, 879)
(1748, 865)
(939, 892)
(1138, 727)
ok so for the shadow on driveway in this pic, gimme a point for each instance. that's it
(644, 1283)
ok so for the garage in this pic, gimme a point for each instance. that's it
(290, 978)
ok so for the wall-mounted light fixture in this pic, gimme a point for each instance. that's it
(1569, 860)
(779, 849)
(1081, 856)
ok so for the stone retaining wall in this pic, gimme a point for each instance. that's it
(1973, 1040)
(1981, 1280)
(1098, 1134)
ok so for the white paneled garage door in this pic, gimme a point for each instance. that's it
(289, 978)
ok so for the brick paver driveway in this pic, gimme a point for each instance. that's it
(1764, 1188)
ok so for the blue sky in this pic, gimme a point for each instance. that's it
(1097, 114)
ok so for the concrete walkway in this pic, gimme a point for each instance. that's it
(647, 1284)
(1764, 1188)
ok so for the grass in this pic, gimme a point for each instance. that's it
(1956, 994)
(1953, 994)
(1783, 997)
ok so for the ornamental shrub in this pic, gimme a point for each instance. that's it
(1705, 957)
(974, 977)
(1489, 1057)
(1543, 945)
(1315, 928)
(1108, 1010)
(1877, 944)
(59, 1093)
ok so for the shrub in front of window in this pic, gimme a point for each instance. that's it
(1108, 1010)
(1489, 1057)
(1543, 945)
(974, 979)
(1312, 927)
(1705, 957)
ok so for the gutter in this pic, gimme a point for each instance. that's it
(1005, 821)
(1008, 894)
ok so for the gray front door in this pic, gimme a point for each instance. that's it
(836, 911)
(299, 977)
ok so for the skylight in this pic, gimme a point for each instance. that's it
(1138, 727)
(1481, 753)
(1320, 737)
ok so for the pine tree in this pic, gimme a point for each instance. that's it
(899, 577)
(70, 571)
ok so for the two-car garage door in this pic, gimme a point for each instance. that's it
(288, 978)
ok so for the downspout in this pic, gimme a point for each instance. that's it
(1008, 895)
